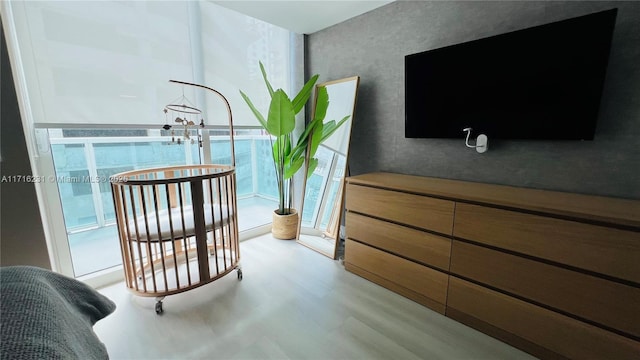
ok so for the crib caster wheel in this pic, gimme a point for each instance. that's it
(159, 309)
(239, 273)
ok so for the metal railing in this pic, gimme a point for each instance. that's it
(83, 166)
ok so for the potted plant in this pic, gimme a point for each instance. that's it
(288, 151)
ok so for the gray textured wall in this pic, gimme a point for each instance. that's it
(374, 44)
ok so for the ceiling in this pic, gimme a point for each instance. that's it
(302, 16)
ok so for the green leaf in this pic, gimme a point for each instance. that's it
(303, 95)
(303, 139)
(287, 145)
(322, 103)
(331, 127)
(292, 168)
(313, 163)
(275, 151)
(282, 119)
(298, 152)
(255, 111)
(264, 76)
(316, 139)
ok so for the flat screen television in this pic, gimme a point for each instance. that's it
(543, 82)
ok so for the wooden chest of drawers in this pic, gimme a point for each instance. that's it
(399, 242)
(555, 274)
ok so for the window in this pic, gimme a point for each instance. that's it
(87, 201)
(132, 49)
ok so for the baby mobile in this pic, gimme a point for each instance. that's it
(185, 114)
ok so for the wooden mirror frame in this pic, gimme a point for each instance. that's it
(337, 208)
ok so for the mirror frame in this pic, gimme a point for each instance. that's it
(333, 227)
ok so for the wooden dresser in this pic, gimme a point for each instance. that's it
(555, 274)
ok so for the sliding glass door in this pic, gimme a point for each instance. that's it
(93, 80)
(85, 159)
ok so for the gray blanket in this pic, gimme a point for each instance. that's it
(44, 315)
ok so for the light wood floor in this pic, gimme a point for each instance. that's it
(292, 304)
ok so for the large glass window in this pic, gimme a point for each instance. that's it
(268, 185)
(106, 65)
(77, 200)
(85, 159)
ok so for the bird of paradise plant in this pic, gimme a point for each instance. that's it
(289, 153)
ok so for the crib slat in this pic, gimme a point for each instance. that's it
(172, 243)
(234, 223)
(197, 201)
(156, 201)
(172, 200)
(185, 246)
(117, 202)
(222, 234)
(137, 238)
(145, 195)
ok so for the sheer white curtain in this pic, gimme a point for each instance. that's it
(109, 62)
(232, 45)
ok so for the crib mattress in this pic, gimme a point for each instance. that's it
(213, 220)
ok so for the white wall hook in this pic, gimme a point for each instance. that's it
(482, 141)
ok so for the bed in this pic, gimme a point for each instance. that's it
(45, 315)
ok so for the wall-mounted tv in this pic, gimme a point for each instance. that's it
(543, 82)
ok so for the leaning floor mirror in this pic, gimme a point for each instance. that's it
(322, 205)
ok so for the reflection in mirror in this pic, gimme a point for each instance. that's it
(322, 205)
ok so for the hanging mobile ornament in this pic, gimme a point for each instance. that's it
(166, 120)
(186, 130)
(166, 123)
(199, 132)
(185, 111)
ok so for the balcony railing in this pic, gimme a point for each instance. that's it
(83, 166)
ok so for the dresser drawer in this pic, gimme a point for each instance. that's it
(488, 311)
(605, 302)
(425, 285)
(414, 244)
(414, 210)
(595, 248)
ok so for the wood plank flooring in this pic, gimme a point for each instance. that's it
(292, 304)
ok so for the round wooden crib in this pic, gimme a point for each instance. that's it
(177, 226)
